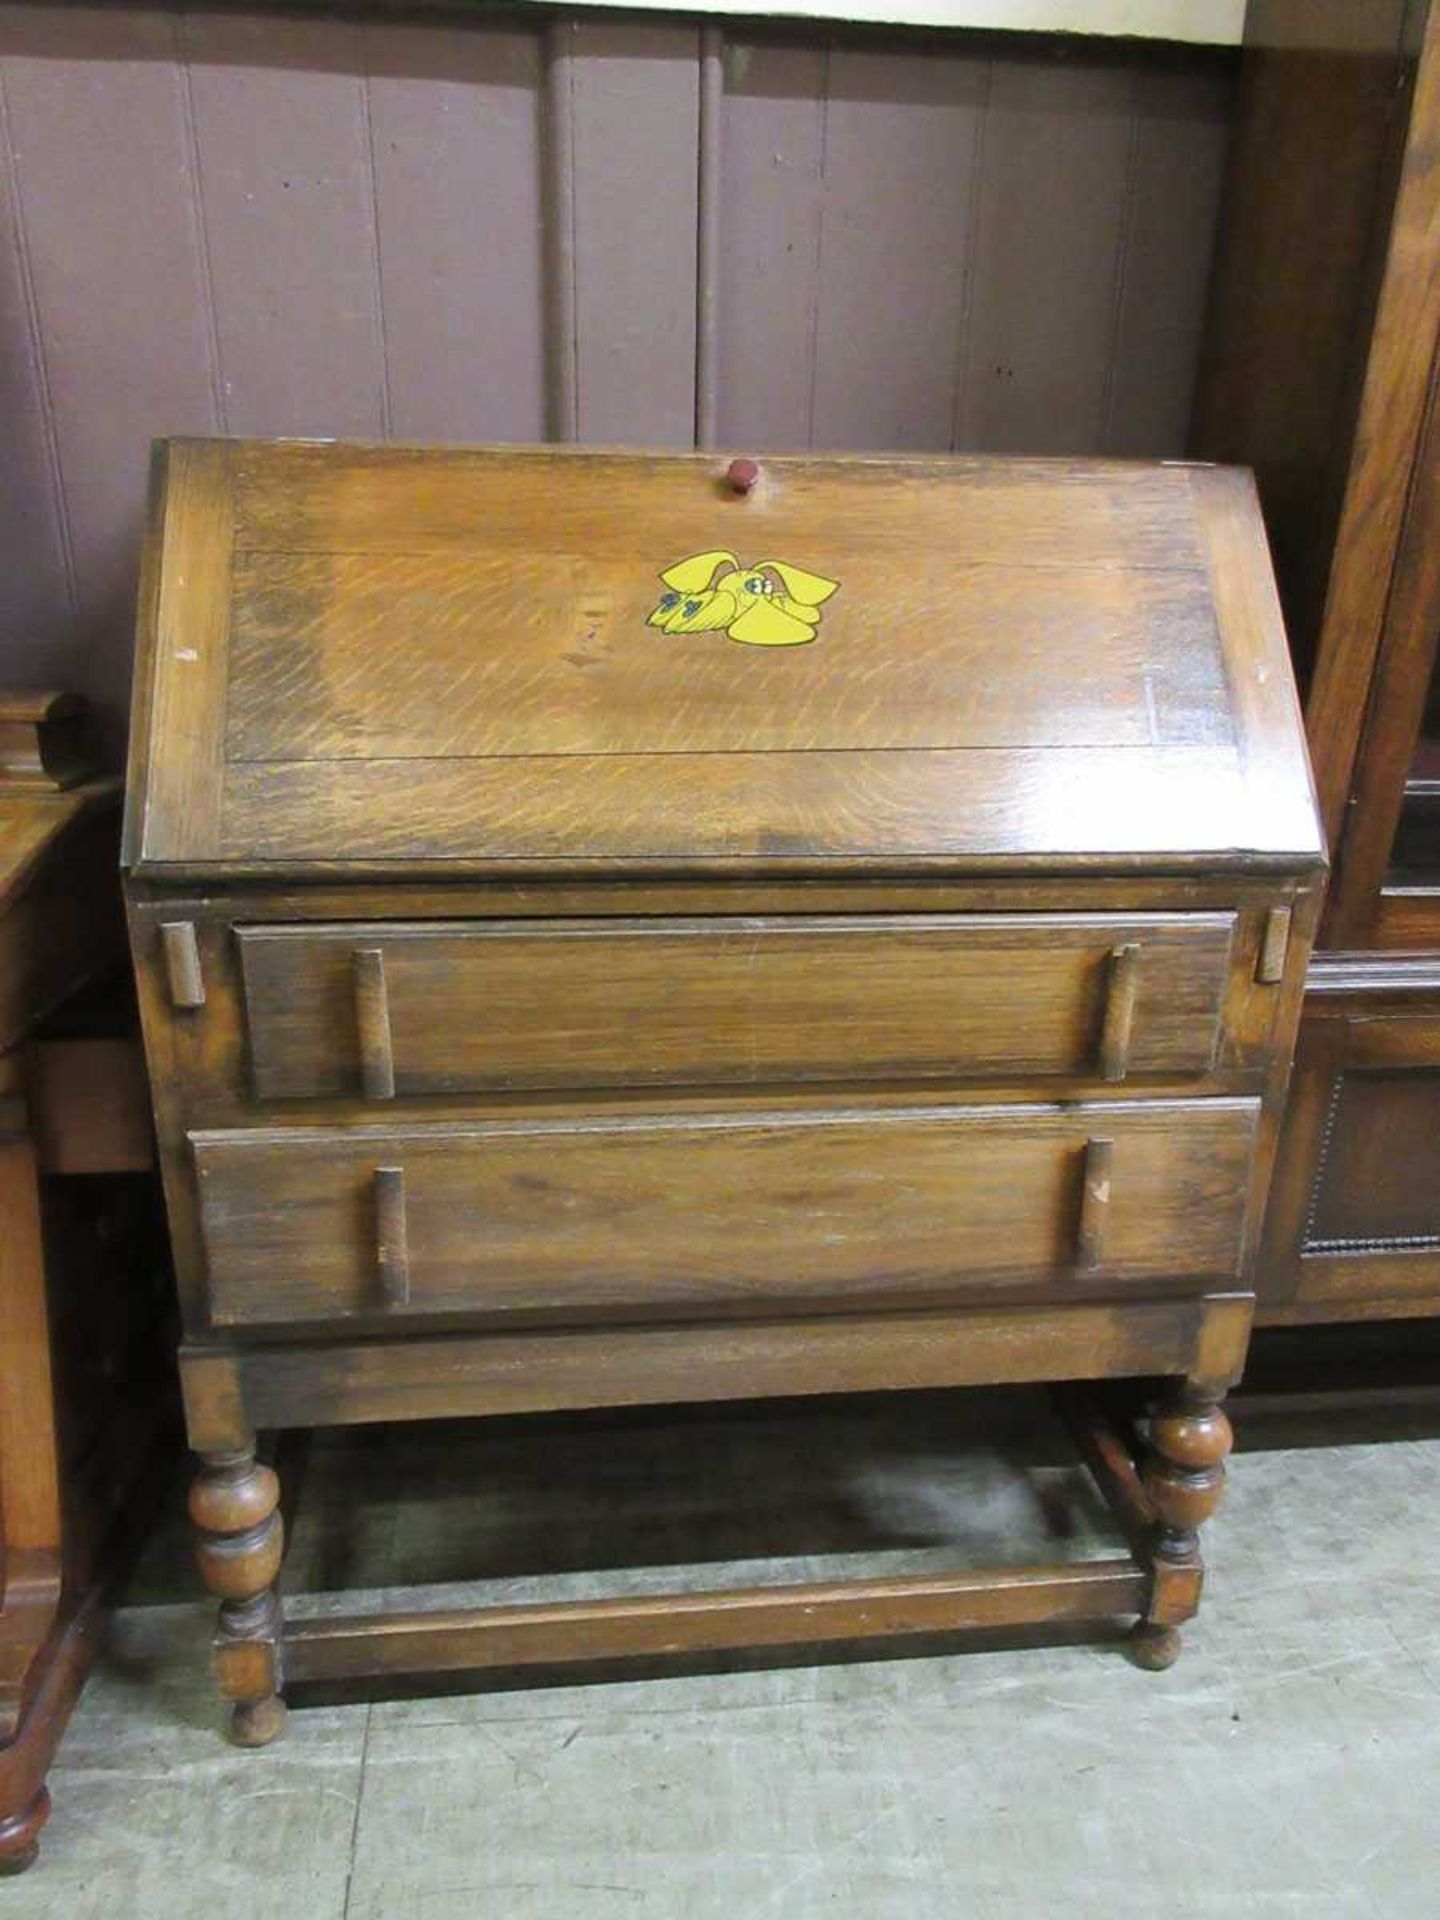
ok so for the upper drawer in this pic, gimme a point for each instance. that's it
(446, 1008)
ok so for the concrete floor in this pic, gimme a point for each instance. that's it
(1288, 1765)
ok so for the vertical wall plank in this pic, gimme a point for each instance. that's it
(769, 243)
(707, 238)
(455, 117)
(1051, 213)
(288, 199)
(901, 141)
(37, 610)
(105, 190)
(562, 404)
(1182, 132)
(636, 127)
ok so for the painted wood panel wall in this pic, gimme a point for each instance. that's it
(225, 222)
(1214, 22)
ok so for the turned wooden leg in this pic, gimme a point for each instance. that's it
(235, 1505)
(1184, 1477)
(20, 1834)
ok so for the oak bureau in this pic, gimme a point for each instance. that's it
(623, 929)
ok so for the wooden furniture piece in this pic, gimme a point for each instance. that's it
(1321, 370)
(80, 1277)
(618, 929)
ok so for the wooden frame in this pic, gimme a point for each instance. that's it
(810, 1613)
(1157, 1490)
(1322, 369)
(1377, 1015)
(230, 1393)
(1365, 909)
(1362, 617)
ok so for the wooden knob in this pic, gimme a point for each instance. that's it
(742, 475)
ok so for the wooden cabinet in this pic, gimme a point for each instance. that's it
(83, 1281)
(1322, 371)
(614, 929)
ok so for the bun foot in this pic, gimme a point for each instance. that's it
(20, 1835)
(255, 1723)
(1154, 1647)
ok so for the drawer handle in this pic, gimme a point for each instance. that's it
(1094, 1204)
(1274, 946)
(1121, 990)
(392, 1251)
(372, 1020)
(183, 972)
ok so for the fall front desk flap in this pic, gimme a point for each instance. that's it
(490, 660)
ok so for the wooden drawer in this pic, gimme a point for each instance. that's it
(447, 1008)
(720, 1211)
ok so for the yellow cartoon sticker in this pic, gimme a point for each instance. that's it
(767, 605)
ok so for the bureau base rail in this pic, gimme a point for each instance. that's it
(369, 1646)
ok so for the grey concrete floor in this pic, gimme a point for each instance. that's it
(1290, 1764)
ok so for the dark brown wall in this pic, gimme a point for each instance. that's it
(263, 224)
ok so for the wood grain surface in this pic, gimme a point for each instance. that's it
(415, 1377)
(461, 1640)
(545, 650)
(761, 1209)
(447, 655)
(577, 1004)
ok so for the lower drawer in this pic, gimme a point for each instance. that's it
(741, 1211)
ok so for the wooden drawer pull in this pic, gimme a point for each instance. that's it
(392, 1251)
(1094, 1204)
(1120, 994)
(182, 963)
(1274, 946)
(372, 1019)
